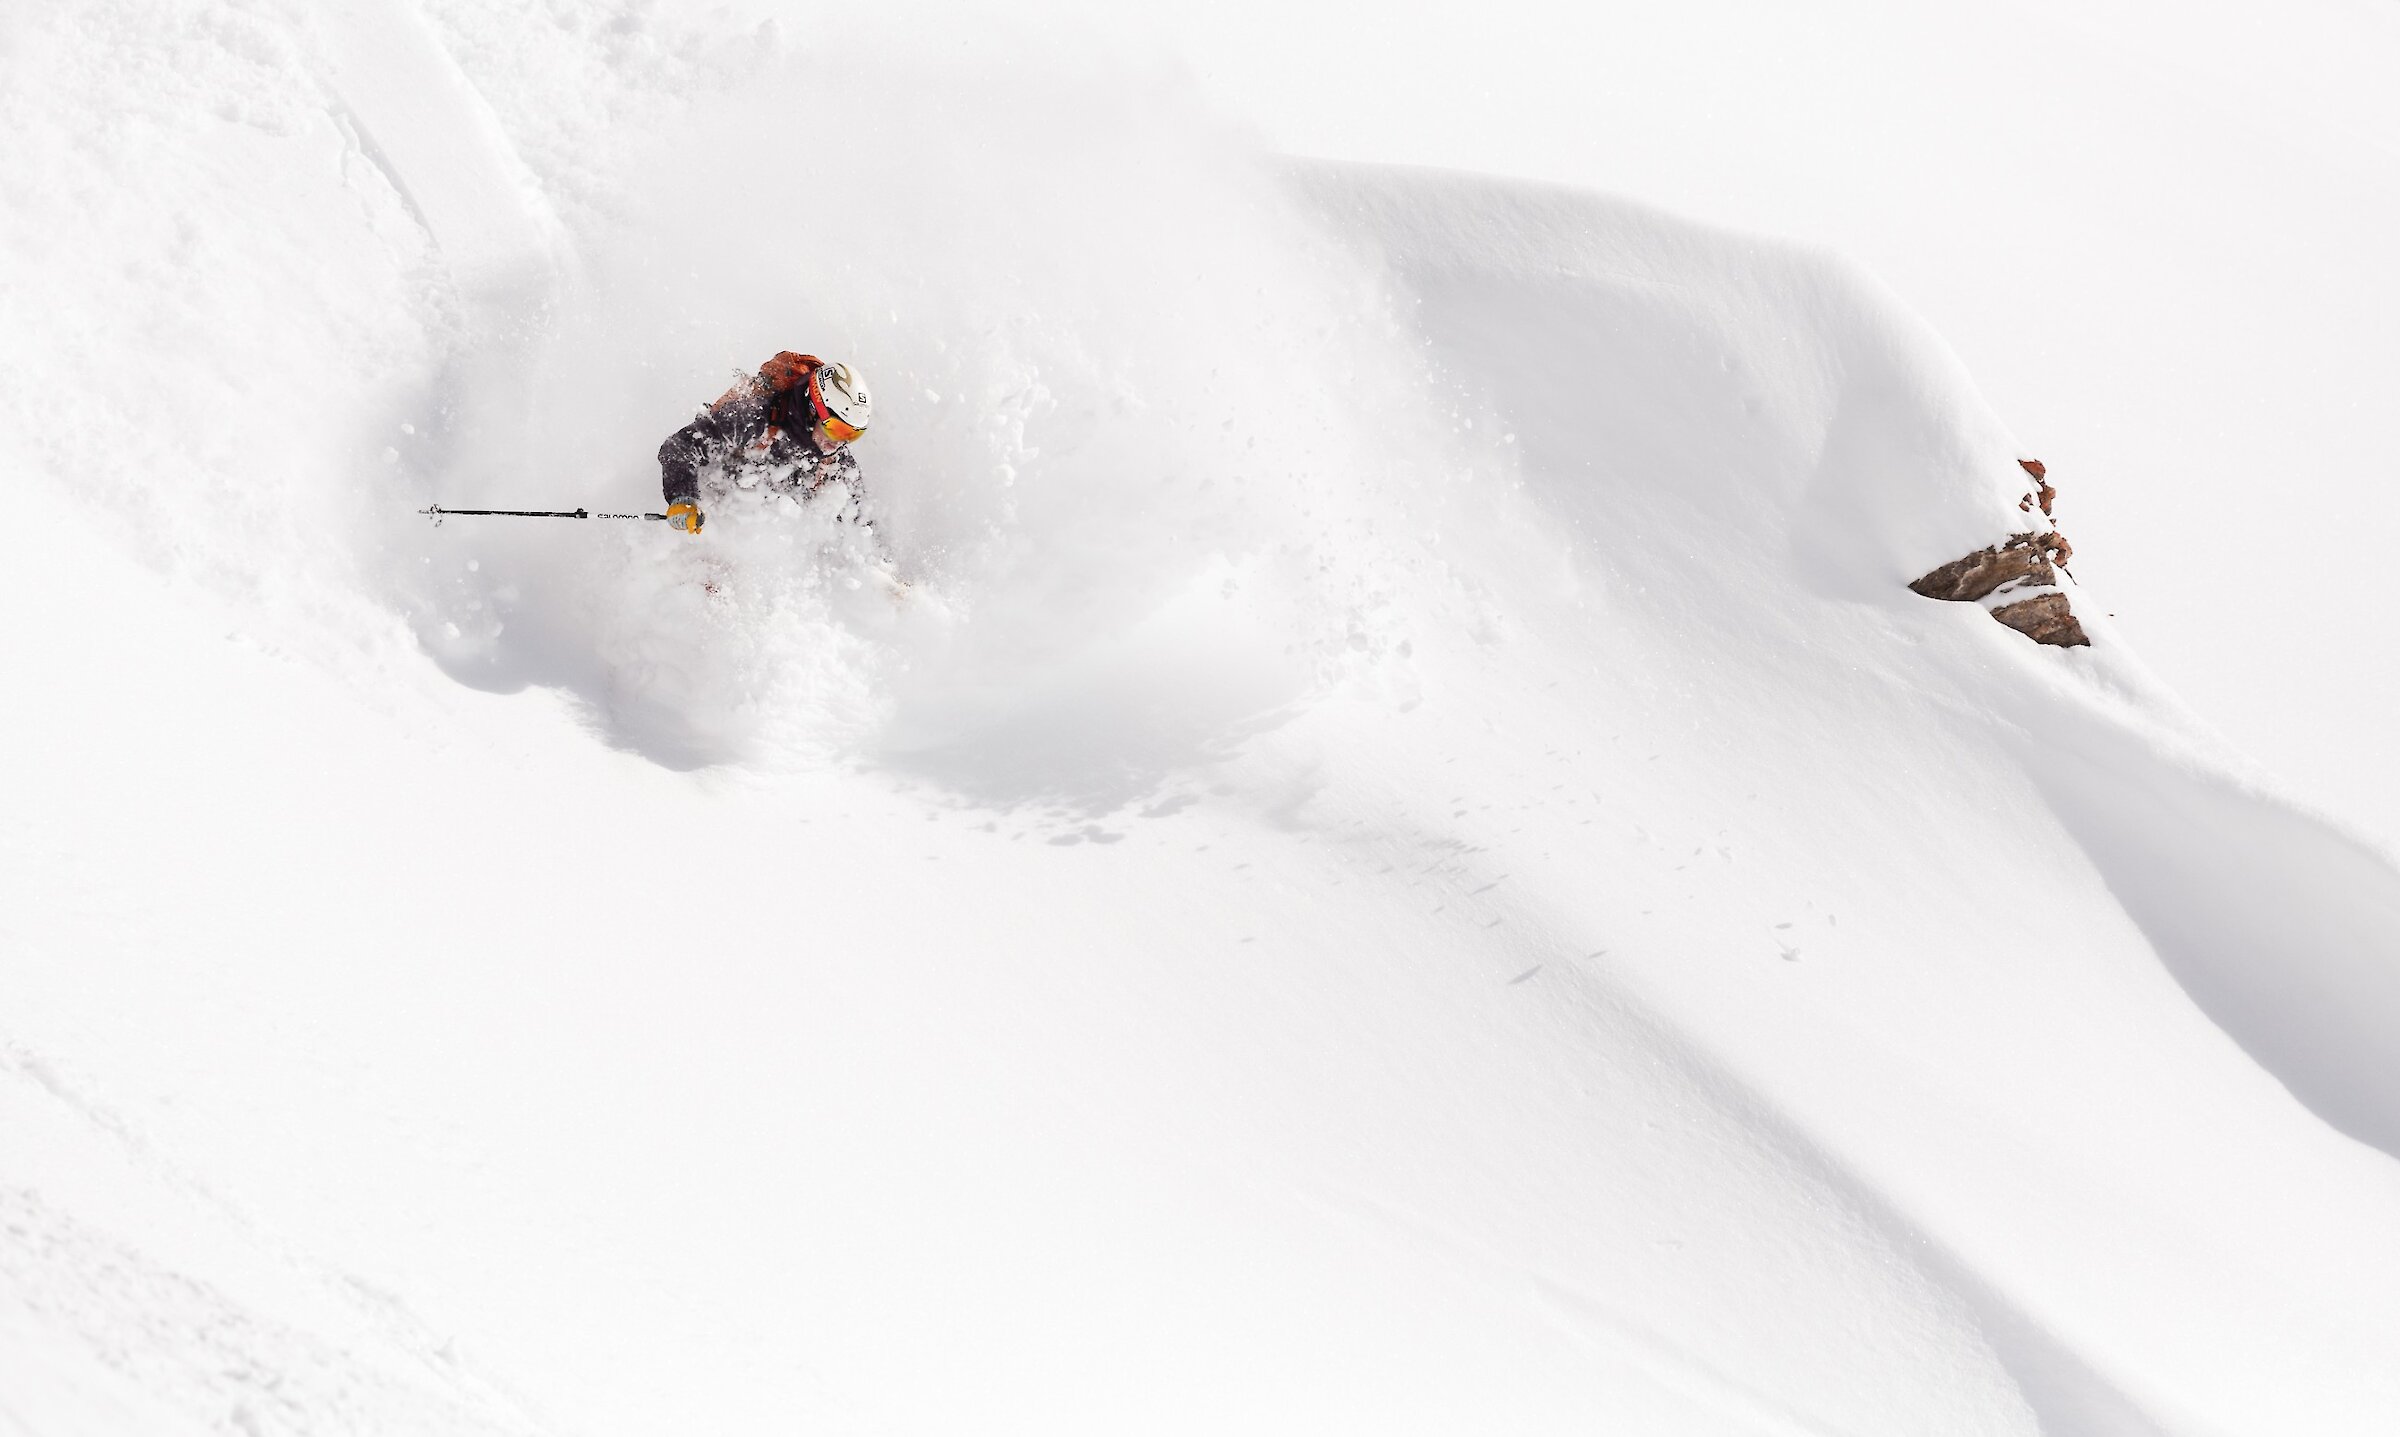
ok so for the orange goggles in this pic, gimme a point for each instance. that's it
(836, 430)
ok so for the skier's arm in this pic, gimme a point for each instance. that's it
(724, 426)
(679, 461)
(685, 453)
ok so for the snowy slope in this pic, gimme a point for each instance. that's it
(2160, 234)
(1410, 864)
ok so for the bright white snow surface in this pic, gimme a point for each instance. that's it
(1407, 864)
(2161, 234)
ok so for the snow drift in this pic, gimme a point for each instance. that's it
(1410, 863)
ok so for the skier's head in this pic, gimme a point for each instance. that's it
(839, 398)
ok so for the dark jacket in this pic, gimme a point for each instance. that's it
(755, 426)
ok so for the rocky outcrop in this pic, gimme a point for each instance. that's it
(2042, 490)
(2045, 619)
(2032, 560)
(2021, 561)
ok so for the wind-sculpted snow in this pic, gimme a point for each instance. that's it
(2284, 931)
(1406, 862)
(1839, 485)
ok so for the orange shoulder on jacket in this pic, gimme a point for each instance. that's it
(787, 370)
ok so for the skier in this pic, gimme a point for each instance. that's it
(789, 428)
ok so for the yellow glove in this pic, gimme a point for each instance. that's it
(686, 517)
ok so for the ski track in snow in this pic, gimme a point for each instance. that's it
(1481, 903)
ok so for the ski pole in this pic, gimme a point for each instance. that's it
(439, 513)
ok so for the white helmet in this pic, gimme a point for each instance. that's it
(840, 399)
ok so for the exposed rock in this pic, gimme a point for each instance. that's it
(2029, 561)
(2045, 619)
(2043, 492)
(2021, 560)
